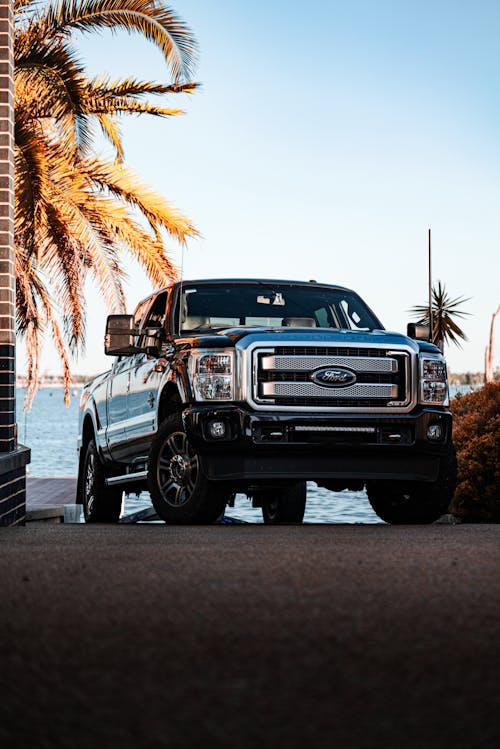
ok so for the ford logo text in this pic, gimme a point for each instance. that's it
(331, 377)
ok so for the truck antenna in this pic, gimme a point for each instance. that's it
(180, 289)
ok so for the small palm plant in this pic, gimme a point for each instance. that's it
(444, 312)
(77, 212)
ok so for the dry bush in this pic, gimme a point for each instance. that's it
(476, 433)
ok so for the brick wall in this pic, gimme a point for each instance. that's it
(13, 457)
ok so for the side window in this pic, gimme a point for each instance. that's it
(155, 318)
(139, 313)
(156, 315)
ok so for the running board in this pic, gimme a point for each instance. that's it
(127, 478)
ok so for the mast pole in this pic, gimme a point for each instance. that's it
(431, 321)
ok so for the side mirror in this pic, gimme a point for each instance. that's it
(119, 339)
(418, 331)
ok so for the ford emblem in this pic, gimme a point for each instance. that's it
(333, 377)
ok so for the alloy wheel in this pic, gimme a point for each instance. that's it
(177, 470)
(90, 483)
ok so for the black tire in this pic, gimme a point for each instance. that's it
(180, 492)
(415, 502)
(101, 504)
(284, 505)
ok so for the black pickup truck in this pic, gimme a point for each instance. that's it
(258, 386)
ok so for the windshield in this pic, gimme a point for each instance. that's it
(260, 304)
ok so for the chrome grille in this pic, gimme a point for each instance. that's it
(282, 378)
(311, 390)
(309, 363)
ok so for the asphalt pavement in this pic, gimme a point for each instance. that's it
(249, 636)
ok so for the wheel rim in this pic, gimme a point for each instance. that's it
(89, 493)
(177, 470)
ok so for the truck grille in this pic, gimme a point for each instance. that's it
(283, 377)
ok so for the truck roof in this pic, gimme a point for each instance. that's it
(199, 281)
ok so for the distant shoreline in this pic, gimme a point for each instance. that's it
(22, 385)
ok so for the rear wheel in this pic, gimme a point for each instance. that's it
(415, 502)
(179, 490)
(284, 505)
(101, 504)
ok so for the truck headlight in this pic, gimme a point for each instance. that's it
(433, 381)
(213, 375)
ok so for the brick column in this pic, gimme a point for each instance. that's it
(13, 457)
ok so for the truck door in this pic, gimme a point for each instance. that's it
(144, 385)
(118, 387)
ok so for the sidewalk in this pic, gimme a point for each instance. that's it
(53, 491)
(47, 495)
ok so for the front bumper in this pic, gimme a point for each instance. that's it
(260, 447)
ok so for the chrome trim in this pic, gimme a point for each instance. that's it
(312, 390)
(250, 368)
(405, 402)
(113, 480)
(293, 363)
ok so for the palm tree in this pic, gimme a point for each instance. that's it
(76, 212)
(444, 310)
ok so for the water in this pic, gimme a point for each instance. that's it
(50, 430)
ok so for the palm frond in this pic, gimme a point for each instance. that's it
(111, 130)
(123, 183)
(60, 260)
(95, 105)
(152, 18)
(24, 9)
(75, 214)
(104, 86)
(32, 188)
(30, 320)
(25, 4)
(444, 309)
(144, 248)
(97, 252)
(50, 83)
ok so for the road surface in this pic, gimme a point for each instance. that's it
(250, 636)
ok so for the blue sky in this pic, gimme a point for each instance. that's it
(328, 137)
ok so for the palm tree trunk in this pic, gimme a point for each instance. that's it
(488, 368)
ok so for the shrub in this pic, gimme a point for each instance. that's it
(476, 434)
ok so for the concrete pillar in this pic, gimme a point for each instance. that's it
(13, 457)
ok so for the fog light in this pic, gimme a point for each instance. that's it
(434, 432)
(217, 429)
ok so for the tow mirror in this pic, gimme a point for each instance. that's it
(418, 331)
(119, 339)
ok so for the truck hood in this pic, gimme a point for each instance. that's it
(244, 337)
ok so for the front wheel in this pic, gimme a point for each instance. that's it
(179, 490)
(415, 502)
(101, 504)
(284, 505)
